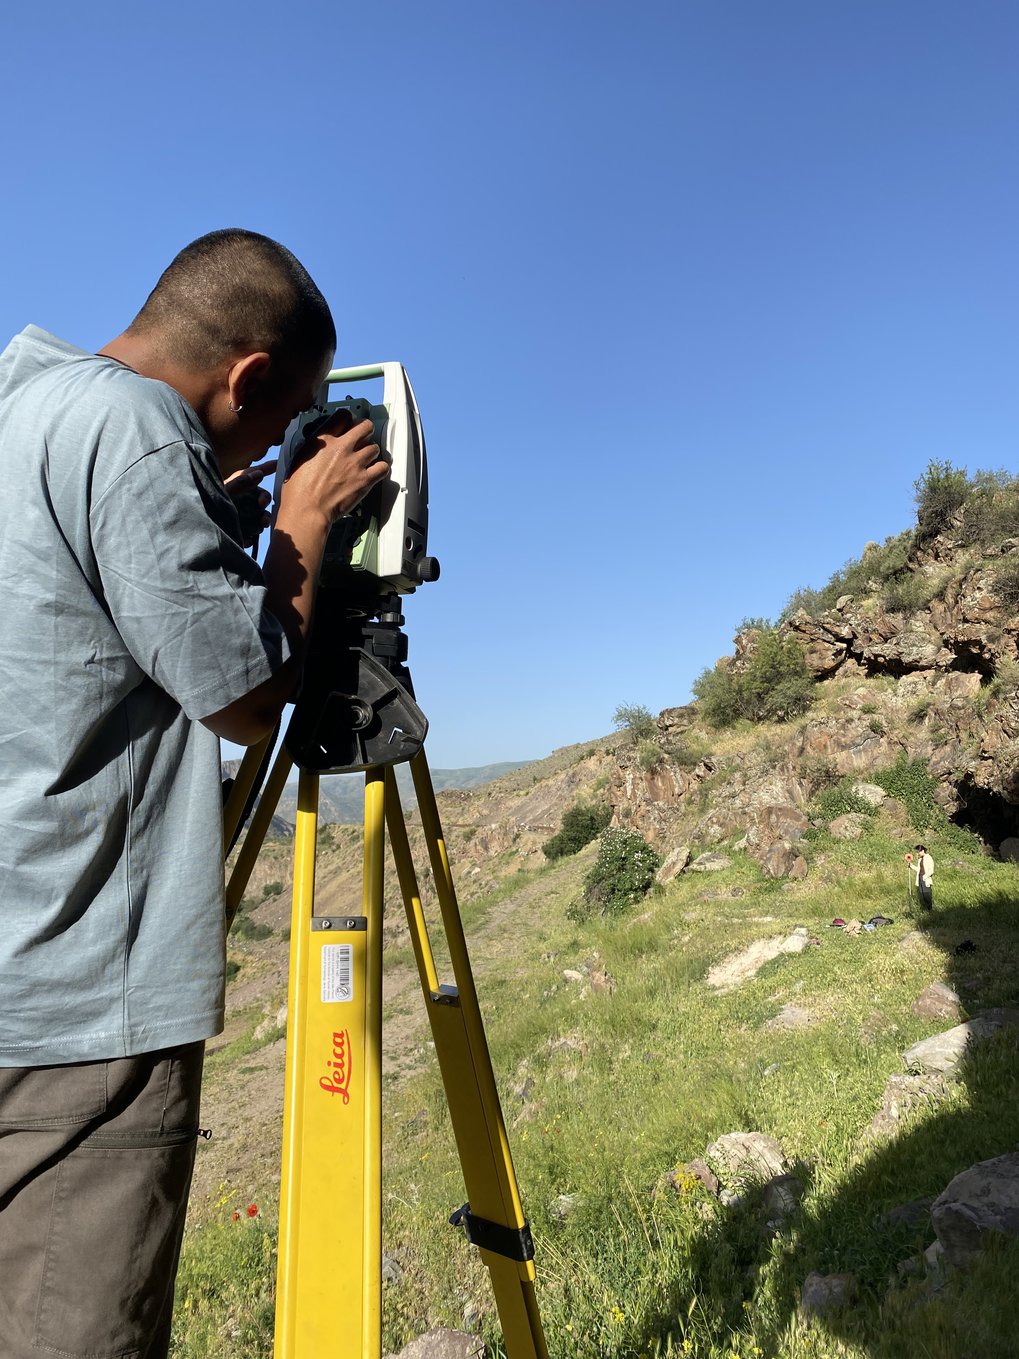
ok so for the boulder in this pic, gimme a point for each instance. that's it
(781, 859)
(441, 1343)
(850, 826)
(1008, 850)
(710, 863)
(743, 1158)
(824, 1293)
(944, 1051)
(870, 792)
(675, 861)
(983, 1199)
(938, 1001)
(902, 1095)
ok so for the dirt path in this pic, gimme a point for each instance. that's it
(243, 1100)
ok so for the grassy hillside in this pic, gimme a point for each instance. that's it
(606, 1092)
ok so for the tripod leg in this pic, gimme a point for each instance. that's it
(264, 812)
(328, 1299)
(494, 1216)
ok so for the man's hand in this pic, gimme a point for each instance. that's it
(250, 500)
(335, 469)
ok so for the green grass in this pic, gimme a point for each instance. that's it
(649, 1075)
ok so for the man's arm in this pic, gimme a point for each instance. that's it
(337, 474)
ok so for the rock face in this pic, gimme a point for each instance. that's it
(981, 1200)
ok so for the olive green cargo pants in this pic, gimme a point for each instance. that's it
(95, 1168)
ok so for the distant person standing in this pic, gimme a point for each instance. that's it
(923, 867)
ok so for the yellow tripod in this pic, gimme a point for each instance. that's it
(329, 1285)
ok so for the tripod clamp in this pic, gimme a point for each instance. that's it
(513, 1243)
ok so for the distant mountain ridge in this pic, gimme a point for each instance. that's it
(341, 796)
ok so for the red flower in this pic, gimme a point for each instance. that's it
(252, 1210)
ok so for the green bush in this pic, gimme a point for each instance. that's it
(839, 800)
(940, 492)
(581, 824)
(1006, 582)
(637, 721)
(910, 781)
(649, 755)
(776, 684)
(246, 928)
(909, 592)
(623, 873)
(271, 889)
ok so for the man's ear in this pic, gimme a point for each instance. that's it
(246, 376)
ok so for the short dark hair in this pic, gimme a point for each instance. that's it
(233, 292)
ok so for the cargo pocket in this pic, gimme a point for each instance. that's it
(113, 1243)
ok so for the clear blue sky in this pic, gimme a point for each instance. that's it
(690, 292)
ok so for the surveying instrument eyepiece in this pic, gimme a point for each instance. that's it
(356, 711)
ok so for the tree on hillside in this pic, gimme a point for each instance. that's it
(637, 721)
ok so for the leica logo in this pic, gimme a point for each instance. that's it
(338, 1080)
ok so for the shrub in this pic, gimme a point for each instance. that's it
(910, 781)
(623, 873)
(909, 592)
(246, 928)
(1006, 583)
(637, 721)
(920, 709)
(581, 824)
(809, 600)
(775, 685)
(649, 755)
(271, 889)
(839, 800)
(940, 492)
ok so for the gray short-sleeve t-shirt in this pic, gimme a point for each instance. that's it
(128, 611)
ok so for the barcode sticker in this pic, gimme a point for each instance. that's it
(337, 973)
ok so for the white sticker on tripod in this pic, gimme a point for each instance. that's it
(337, 973)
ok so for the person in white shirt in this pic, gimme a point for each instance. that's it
(923, 867)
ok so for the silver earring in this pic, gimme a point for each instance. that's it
(236, 409)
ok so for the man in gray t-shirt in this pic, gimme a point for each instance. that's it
(134, 632)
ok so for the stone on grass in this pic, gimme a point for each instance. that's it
(710, 863)
(795, 942)
(562, 1207)
(983, 1199)
(572, 975)
(700, 1170)
(791, 1017)
(781, 1197)
(740, 967)
(747, 1157)
(1008, 850)
(849, 827)
(938, 1001)
(824, 1293)
(944, 1051)
(441, 1343)
(783, 860)
(674, 863)
(870, 792)
(902, 1095)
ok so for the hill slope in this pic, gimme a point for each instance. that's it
(623, 1053)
